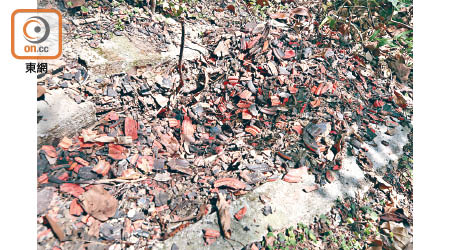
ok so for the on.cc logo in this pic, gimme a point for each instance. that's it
(41, 29)
(36, 34)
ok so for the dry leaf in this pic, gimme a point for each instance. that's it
(74, 3)
(105, 139)
(279, 15)
(301, 11)
(180, 165)
(130, 174)
(99, 203)
(231, 8)
(400, 100)
(295, 175)
(311, 188)
(401, 70)
(315, 103)
(211, 233)
(222, 48)
(401, 236)
(40, 91)
(187, 129)
(171, 142)
(330, 176)
(111, 116)
(230, 182)
(94, 228)
(88, 135)
(224, 215)
(102, 167)
(145, 164)
(50, 151)
(253, 130)
(65, 143)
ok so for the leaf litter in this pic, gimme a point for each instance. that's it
(284, 101)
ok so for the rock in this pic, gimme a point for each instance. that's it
(131, 213)
(67, 76)
(143, 202)
(158, 164)
(138, 216)
(110, 232)
(62, 116)
(44, 197)
(307, 53)
(133, 239)
(161, 100)
(161, 199)
(267, 210)
(86, 173)
(162, 177)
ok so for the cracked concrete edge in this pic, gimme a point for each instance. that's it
(290, 204)
(62, 116)
(383, 156)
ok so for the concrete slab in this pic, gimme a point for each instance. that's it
(62, 116)
(289, 203)
(382, 155)
(121, 53)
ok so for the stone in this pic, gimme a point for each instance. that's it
(158, 164)
(141, 233)
(161, 100)
(110, 232)
(62, 116)
(307, 53)
(138, 216)
(131, 213)
(86, 173)
(143, 202)
(161, 199)
(133, 240)
(44, 197)
(267, 210)
(67, 76)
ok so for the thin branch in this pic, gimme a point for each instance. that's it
(402, 24)
(180, 60)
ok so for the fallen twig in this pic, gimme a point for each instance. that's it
(180, 60)
(103, 181)
(402, 24)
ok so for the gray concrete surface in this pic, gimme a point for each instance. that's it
(61, 116)
(289, 203)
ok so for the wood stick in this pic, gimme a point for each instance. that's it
(180, 59)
